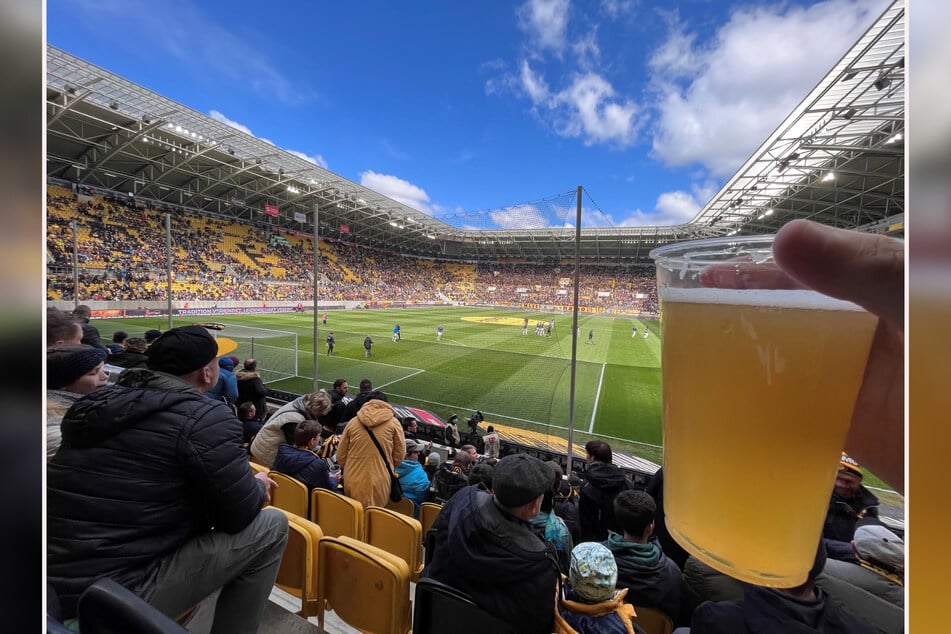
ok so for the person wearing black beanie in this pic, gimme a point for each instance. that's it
(72, 370)
(151, 488)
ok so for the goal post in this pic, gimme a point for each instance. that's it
(275, 350)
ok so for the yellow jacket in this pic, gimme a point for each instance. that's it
(365, 477)
(594, 611)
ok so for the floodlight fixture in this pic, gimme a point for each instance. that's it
(829, 176)
(114, 104)
(882, 82)
(895, 138)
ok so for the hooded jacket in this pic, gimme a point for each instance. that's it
(766, 611)
(365, 476)
(413, 480)
(596, 500)
(303, 465)
(607, 617)
(652, 580)
(496, 559)
(144, 467)
(251, 388)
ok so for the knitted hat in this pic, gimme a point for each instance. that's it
(67, 362)
(593, 572)
(848, 462)
(182, 350)
(433, 459)
(519, 478)
(877, 544)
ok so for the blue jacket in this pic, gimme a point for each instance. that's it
(302, 465)
(414, 481)
(227, 387)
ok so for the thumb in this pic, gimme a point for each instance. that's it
(864, 268)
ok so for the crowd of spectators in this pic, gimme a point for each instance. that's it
(121, 254)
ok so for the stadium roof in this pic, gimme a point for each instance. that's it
(838, 158)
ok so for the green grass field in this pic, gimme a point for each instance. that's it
(483, 362)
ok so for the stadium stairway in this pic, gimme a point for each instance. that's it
(279, 618)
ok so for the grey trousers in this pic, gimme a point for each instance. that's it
(244, 565)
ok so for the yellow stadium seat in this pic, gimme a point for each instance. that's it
(404, 506)
(653, 620)
(336, 514)
(258, 468)
(289, 495)
(428, 512)
(298, 572)
(396, 534)
(366, 587)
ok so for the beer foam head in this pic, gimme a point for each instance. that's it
(802, 299)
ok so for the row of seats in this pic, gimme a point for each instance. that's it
(371, 531)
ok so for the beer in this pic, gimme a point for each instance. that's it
(758, 391)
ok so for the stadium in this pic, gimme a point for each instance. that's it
(160, 216)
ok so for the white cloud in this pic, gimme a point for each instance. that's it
(545, 22)
(587, 51)
(582, 103)
(672, 208)
(519, 217)
(588, 108)
(217, 116)
(718, 99)
(316, 159)
(534, 85)
(397, 189)
(616, 8)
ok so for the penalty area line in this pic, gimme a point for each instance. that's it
(597, 397)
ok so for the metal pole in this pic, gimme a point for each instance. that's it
(316, 303)
(168, 250)
(574, 335)
(75, 263)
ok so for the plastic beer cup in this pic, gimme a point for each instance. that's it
(759, 381)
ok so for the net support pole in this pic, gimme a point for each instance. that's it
(574, 335)
(168, 272)
(316, 303)
(75, 263)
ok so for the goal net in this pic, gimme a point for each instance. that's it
(275, 350)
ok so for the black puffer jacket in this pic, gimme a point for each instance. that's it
(141, 470)
(497, 560)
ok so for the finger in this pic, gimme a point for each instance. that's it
(864, 268)
(746, 275)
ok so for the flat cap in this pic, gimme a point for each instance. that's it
(519, 478)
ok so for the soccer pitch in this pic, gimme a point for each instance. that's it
(483, 362)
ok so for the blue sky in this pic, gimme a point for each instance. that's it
(457, 107)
